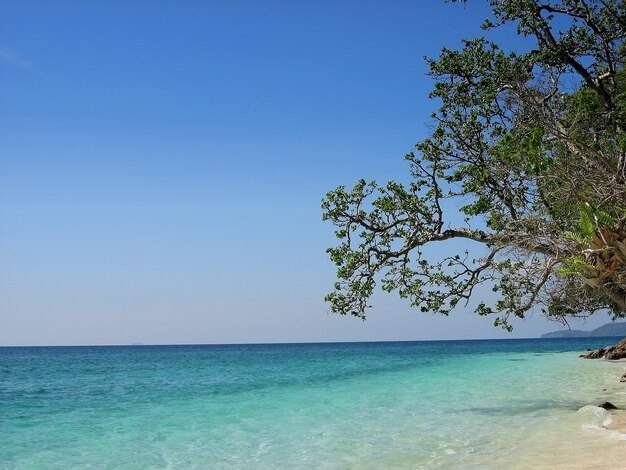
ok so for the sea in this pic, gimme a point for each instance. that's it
(480, 404)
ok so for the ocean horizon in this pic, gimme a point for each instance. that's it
(288, 343)
(505, 403)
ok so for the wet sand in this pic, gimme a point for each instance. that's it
(610, 453)
(618, 423)
(603, 448)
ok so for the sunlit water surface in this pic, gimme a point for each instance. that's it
(447, 404)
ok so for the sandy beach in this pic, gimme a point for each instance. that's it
(608, 453)
(583, 446)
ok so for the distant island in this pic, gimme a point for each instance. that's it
(610, 329)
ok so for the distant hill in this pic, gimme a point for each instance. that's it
(610, 329)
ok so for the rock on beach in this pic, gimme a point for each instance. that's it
(611, 353)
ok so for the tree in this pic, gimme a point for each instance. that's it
(529, 152)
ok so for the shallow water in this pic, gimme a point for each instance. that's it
(447, 404)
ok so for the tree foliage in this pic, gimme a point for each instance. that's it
(526, 161)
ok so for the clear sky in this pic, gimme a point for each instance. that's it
(162, 164)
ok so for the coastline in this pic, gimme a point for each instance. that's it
(588, 437)
(618, 421)
(618, 416)
(607, 453)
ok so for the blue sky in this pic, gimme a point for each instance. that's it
(162, 164)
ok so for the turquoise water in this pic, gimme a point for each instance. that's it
(447, 404)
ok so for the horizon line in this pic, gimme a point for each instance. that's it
(138, 344)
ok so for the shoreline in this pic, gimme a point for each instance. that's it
(618, 416)
(618, 421)
(597, 439)
(610, 454)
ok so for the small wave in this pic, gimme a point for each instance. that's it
(596, 416)
(597, 419)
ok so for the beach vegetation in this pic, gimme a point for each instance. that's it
(526, 163)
